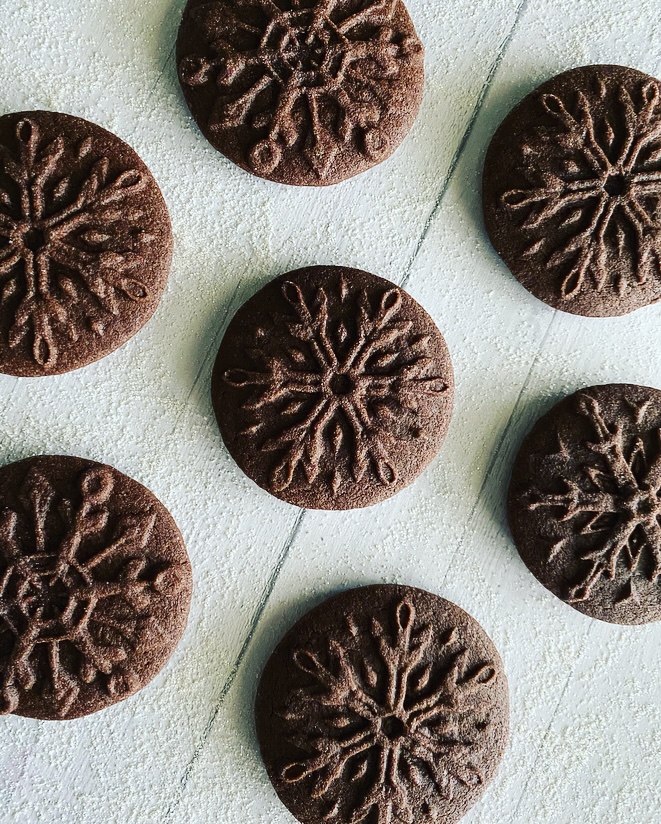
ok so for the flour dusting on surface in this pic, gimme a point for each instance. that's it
(584, 744)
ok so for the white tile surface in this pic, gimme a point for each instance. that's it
(586, 702)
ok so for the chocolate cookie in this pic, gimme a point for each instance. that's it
(332, 388)
(95, 586)
(585, 502)
(306, 92)
(85, 243)
(572, 191)
(384, 704)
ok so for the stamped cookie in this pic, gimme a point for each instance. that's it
(585, 502)
(332, 388)
(95, 586)
(572, 191)
(384, 704)
(305, 92)
(85, 243)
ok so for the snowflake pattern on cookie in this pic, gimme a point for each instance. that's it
(592, 209)
(614, 503)
(314, 74)
(71, 609)
(71, 245)
(397, 731)
(347, 376)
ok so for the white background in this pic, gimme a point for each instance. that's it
(586, 712)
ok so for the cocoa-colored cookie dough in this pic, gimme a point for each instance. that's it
(95, 586)
(585, 502)
(385, 703)
(332, 388)
(572, 191)
(305, 92)
(85, 243)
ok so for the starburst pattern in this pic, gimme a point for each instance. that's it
(313, 72)
(339, 388)
(595, 182)
(70, 239)
(71, 610)
(615, 504)
(397, 730)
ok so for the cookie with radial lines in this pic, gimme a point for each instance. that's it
(305, 92)
(332, 388)
(383, 704)
(572, 191)
(585, 502)
(95, 586)
(85, 243)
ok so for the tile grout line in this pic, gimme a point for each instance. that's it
(490, 469)
(499, 445)
(456, 157)
(550, 724)
(161, 72)
(229, 311)
(266, 593)
(229, 681)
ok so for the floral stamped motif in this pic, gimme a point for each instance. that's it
(396, 730)
(610, 513)
(592, 209)
(316, 74)
(72, 608)
(72, 241)
(351, 383)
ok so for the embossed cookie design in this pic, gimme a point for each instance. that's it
(572, 191)
(333, 388)
(383, 704)
(95, 586)
(85, 243)
(306, 92)
(585, 502)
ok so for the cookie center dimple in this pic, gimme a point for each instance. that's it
(646, 504)
(34, 239)
(393, 727)
(615, 185)
(341, 384)
(309, 56)
(641, 505)
(306, 54)
(56, 599)
(45, 594)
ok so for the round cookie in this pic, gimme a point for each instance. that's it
(385, 703)
(585, 502)
(572, 191)
(332, 388)
(85, 243)
(305, 92)
(95, 586)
